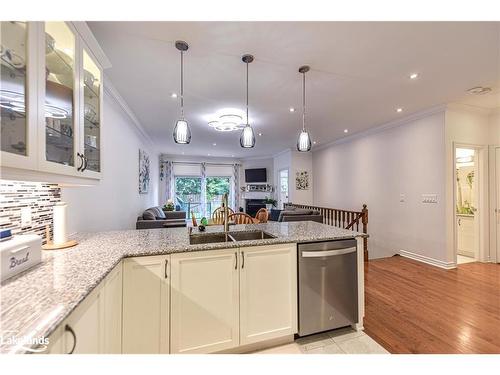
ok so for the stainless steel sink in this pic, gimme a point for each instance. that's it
(203, 238)
(250, 235)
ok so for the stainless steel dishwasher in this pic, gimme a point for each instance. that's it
(328, 286)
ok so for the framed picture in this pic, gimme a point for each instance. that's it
(302, 180)
(144, 175)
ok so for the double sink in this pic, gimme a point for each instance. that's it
(204, 238)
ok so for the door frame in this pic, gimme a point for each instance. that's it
(482, 232)
(494, 211)
(280, 203)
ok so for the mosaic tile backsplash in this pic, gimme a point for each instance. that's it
(40, 197)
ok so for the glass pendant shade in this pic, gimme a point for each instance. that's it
(182, 134)
(304, 142)
(247, 138)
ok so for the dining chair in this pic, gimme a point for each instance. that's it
(241, 218)
(262, 215)
(218, 215)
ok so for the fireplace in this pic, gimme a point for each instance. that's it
(254, 205)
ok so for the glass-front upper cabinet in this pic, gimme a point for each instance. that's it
(59, 105)
(18, 133)
(91, 139)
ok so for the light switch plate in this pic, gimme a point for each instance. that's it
(402, 197)
(25, 216)
(429, 198)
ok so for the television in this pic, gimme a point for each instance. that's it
(256, 175)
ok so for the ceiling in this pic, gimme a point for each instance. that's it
(359, 75)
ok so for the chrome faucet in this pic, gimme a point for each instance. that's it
(226, 212)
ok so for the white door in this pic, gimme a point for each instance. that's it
(111, 296)
(268, 292)
(82, 328)
(283, 186)
(146, 305)
(204, 301)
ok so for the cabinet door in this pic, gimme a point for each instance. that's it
(82, 328)
(204, 301)
(146, 305)
(111, 296)
(268, 292)
(90, 116)
(58, 98)
(18, 95)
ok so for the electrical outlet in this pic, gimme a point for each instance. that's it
(429, 198)
(25, 216)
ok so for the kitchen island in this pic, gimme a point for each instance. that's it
(37, 302)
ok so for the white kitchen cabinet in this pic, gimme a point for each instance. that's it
(111, 312)
(56, 343)
(81, 330)
(51, 101)
(268, 292)
(146, 309)
(204, 301)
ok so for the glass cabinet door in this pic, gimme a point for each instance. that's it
(60, 132)
(13, 87)
(92, 81)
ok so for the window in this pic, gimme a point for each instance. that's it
(188, 195)
(216, 188)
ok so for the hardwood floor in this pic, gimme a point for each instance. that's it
(412, 307)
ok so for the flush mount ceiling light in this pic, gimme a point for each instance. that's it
(173, 95)
(479, 90)
(346, 130)
(414, 76)
(399, 110)
(304, 140)
(182, 133)
(247, 137)
(227, 120)
(292, 109)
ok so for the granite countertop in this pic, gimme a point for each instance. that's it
(35, 302)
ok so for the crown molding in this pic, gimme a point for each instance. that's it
(389, 125)
(113, 92)
(282, 152)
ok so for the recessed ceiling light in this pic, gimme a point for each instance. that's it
(173, 95)
(346, 130)
(232, 156)
(182, 152)
(479, 90)
(260, 134)
(414, 76)
(214, 144)
(314, 142)
(208, 154)
(292, 109)
(399, 110)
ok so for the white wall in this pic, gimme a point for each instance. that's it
(377, 168)
(301, 161)
(115, 202)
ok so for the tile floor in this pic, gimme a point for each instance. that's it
(463, 259)
(339, 341)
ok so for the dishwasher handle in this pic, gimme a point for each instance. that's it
(328, 253)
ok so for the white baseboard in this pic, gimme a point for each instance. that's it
(427, 260)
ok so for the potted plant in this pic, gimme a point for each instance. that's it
(169, 206)
(270, 203)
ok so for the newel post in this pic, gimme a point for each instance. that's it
(365, 231)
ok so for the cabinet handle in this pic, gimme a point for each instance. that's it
(166, 265)
(85, 160)
(67, 328)
(81, 158)
(236, 260)
(242, 259)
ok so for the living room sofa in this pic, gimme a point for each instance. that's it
(299, 214)
(156, 217)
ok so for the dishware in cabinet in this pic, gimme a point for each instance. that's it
(91, 89)
(58, 83)
(18, 95)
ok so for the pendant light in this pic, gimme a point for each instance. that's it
(304, 141)
(247, 137)
(182, 133)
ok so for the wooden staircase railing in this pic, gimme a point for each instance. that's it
(342, 219)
